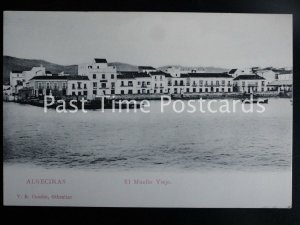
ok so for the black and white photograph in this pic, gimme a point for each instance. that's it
(147, 109)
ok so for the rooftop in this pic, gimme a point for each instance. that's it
(146, 68)
(69, 77)
(232, 71)
(132, 75)
(97, 60)
(224, 75)
(249, 77)
(16, 71)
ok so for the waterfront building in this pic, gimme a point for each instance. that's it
(284, 75)
(208, 82)
(102, 76)
(159, 82)
(126, 84)
(280, 86)
(143, 83)
(60, 86)
(249, 83)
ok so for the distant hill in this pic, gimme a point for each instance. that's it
(124, 66)
(13, 63)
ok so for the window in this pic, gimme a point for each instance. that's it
(223, 89)
(73, 93)
(243, 83)
(64, 85)
(201, 82)
(55, 85)
(181, 83)
(229, 83)
(39, 85)
(223, 82)
(122, 83)
(73, 86)
(194, 90)
(85, 87)
(130, 83)
(79, 85)
(161, 91)
(148, 83)
(94, 92)
(112, 84)
(103, 85)
(85, 93)
(217, 83)
(79, 92)
(112, 76)
(48, 85)
(94, 84)
(262, 83)
(139, 91)
(161, 77)
(122, 92)
(103, 76)
(94, 76)
(129, 91)
(187, 90)
(139, 83)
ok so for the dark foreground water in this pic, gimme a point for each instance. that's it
(162, 141)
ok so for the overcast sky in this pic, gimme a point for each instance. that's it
(157, 39)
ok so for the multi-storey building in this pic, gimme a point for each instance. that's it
(59, 86)
(208, 82)
(159, 82)
(102, 76)
(249, 83)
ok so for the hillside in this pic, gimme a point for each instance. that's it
(13, 63)
(124, 66)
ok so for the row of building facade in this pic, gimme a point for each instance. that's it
(98, 78)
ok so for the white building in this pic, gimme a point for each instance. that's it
(19, 79)
(126, 84)
(159, 82)
(176, 71)
(60, 86)
(102, 76)
(249, 83)
(208, 82)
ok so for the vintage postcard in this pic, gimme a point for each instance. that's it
(147, 109)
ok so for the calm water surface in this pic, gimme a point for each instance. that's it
(162, 141)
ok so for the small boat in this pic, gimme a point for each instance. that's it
(255, 101)
(249, 98)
